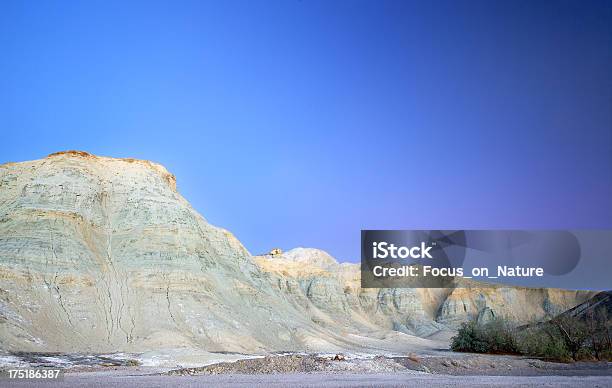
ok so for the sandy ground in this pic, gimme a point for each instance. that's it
(401, 379)
(309, 370)
(462, 364)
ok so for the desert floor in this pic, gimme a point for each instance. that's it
(309, 370)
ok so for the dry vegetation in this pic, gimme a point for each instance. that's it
(564, 338)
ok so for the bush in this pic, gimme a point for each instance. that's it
(536, 343)
(500, 337)
(564, 338)
(469, 339)
(491, 337)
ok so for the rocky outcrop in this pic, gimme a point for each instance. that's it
(101, 254)
(334, 290)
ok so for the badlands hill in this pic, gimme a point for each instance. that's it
(101, 254)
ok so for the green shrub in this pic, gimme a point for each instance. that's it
(500, 337)
(564, 338)
(491, 337)
(536, 343)
(469, 339)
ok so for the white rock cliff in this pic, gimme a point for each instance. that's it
(101, 254)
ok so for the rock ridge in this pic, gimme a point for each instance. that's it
(101, 254)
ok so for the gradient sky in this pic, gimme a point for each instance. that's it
(299, 123)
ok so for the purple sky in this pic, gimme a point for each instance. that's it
(299, 123)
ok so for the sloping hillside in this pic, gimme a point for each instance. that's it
(101, 254)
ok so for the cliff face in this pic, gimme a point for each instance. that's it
(333, 290)
(101, 254)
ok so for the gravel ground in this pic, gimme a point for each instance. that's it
(306, 370)
(321, 380)
(297, 363)
(461, 365)
(498, 365)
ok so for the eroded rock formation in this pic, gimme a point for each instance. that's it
(101, 254)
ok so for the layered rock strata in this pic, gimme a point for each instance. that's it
(102, 254)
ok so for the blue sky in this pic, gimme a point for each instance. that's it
(299, 123)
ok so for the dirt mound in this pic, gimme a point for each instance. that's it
(297, 364)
